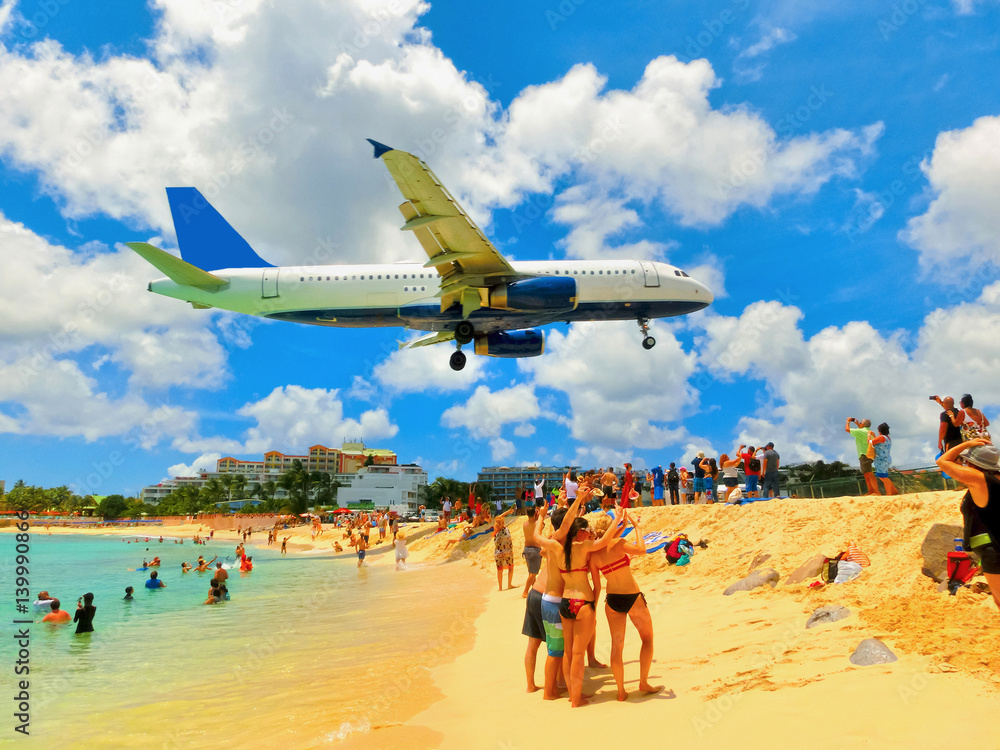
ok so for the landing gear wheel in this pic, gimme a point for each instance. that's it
(464, 333)
(457, 361)
(648, 342)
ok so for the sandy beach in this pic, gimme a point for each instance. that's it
(744, 668)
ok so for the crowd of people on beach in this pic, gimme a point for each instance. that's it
(357, 529)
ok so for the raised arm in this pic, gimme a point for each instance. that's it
(972, 478)
(581, 493)
(639, 548)
(609, 535)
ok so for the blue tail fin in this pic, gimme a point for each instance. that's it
(205, 239)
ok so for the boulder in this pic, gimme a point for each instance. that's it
(757, 578)
(872, 651)
(940, 540)
(809, 569)
(829, 613)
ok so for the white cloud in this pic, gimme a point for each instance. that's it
(55, 301)
(524, 430)
(663, 142)
(486, 411)
(64, 312)
(960, 230)
(295, 418)
(619, 393)
(238, 120)
(594, 456)
(426, 368)
(204, 462)
(746, 70)
(813, 384)
(711, 272)
(594, 217)
(501, 448)
(968, 7)
(765, 338)
(58, 399)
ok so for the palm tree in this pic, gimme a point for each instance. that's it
(239, 487)
(297, 481)
(213, 491)
(265, 491)
(227, 482)
(441, 487)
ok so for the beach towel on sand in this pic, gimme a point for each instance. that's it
(847, 571)
(855, 555)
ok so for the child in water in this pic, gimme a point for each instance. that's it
(401, 552)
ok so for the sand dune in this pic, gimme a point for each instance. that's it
(744, 668)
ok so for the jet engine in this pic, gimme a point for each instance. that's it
(511, 344)
(557, 293)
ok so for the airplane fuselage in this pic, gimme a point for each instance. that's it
(403, 294)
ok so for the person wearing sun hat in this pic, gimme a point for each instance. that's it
(976, 464)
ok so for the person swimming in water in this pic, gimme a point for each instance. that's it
(202, 565)
(85, 612)
(128, 594)
(185, 567)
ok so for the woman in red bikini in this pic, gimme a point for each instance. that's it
(578, 609)
(625, 601)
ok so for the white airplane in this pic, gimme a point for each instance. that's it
(467, 292)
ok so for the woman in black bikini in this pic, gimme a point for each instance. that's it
(625, 601)
(976, 464)
(578, 608)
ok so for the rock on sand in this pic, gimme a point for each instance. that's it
(756, 579)
(829, 613)
(872, 651)
(810, 569)
(940, 540)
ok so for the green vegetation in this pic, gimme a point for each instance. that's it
(303, 489)
(434, 493)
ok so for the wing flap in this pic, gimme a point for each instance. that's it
(436, 218)
(432, 338)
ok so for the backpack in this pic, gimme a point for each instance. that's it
(673, 477)
(828, 572)
(753, 464)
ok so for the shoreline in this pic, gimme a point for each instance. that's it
(736, 663)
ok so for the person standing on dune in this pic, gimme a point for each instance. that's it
(861, 434)
(503, 553)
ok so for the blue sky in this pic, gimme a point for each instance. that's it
(833, 173)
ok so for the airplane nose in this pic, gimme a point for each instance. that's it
(702, 293)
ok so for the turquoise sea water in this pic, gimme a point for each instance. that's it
(310, 647)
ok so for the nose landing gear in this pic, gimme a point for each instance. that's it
(648, 342)
(457, 360)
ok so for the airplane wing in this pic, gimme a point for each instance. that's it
(466, 260)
